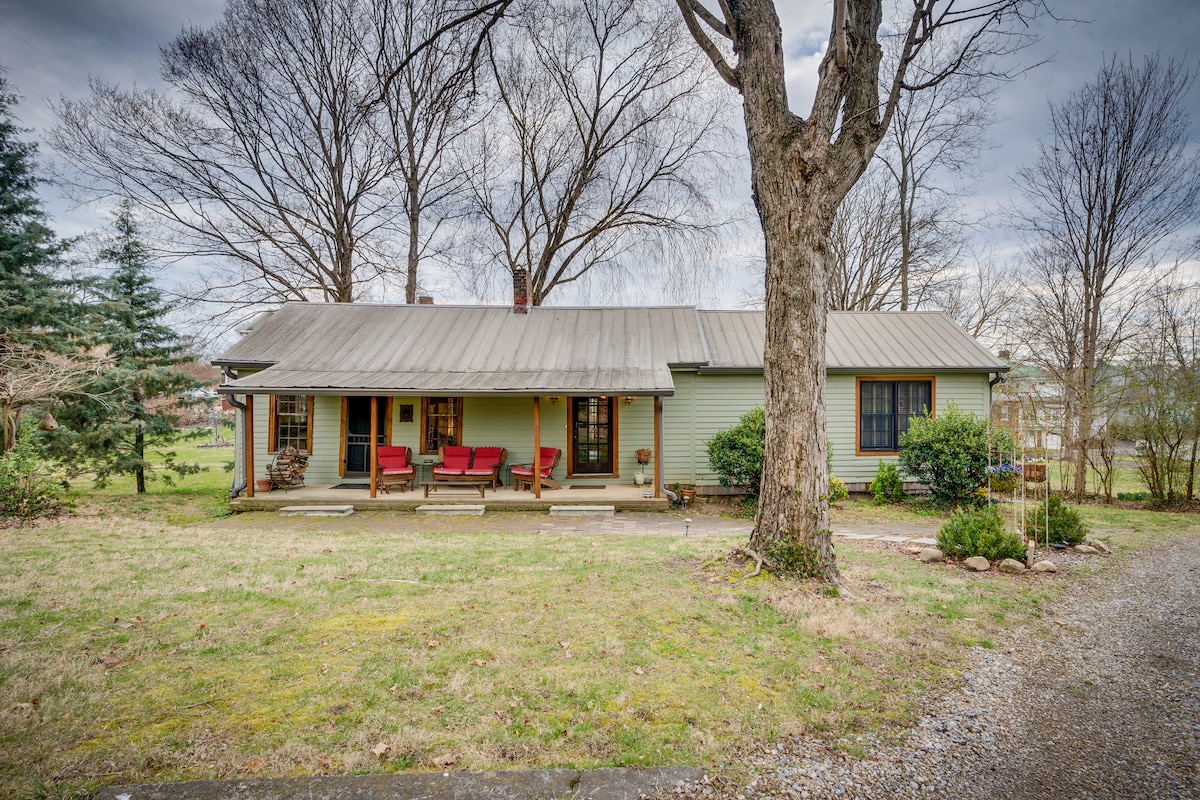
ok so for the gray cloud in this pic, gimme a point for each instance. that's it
(51, 47)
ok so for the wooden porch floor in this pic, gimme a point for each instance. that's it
(621, 497)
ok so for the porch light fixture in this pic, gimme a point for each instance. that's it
(629, 400)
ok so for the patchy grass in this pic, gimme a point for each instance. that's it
(133, 649)
(169, 497)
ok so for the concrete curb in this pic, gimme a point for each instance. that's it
(543, 784)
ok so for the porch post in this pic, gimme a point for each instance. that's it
(374, 450)
(248, 415)
(537, 448)
(658, 478)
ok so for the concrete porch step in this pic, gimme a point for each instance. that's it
(316, 511)
(452, 510)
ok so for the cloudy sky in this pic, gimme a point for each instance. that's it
(50, 48)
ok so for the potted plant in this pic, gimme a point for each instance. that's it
(262, 485)
(1004, 478)
(643, 455)
(1034, 471)
(688, 494)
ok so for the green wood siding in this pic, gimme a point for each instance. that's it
(702, 405)
(968, 390)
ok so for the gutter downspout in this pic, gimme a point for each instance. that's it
(1000, 378)
(236, 488)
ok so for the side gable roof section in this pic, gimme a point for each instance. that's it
(857, 341)
(333, 348)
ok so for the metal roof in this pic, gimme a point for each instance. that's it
(340, 348)
(855, 341)
(344, 348)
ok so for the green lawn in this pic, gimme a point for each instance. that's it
(146, 639)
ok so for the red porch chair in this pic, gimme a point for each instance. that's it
(394, 468)
(523, 473)
(487, 463)
(456, 460)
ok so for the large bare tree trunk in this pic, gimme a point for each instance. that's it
(794, 377)
(796, 209)
(801, 169)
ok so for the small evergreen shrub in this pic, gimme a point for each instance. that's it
(736, 453)
(950, 453)
(1066, 525)
(888, 486)
(1133, 496)
(979, 532)
(29, 486)
(837, 489)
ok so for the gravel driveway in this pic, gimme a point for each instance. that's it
(1108, 706)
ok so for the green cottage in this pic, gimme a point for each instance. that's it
(585, 388)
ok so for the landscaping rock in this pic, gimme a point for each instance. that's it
(1012, 566)
(978, 564)
(1086, 549)
(931, 554)
(1045, 566)
(1101, 546)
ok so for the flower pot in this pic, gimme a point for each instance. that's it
(643, 456)
(1005, 484)
(263, 485)
(687, 495)
(1035, 473)
(639, 478)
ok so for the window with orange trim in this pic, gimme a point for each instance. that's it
(291, 422)
(885, 410)
(441, 423)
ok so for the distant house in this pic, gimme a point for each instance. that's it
(598, 383)
(1030, 405)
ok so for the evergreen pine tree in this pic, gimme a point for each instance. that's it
(42, 354)
(139, 392)
(33, 309)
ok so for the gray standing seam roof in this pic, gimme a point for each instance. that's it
(336, 348)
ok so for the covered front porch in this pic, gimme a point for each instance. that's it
(623, 497)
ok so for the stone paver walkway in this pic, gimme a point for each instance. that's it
(671, 525)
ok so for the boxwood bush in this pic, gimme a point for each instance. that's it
(888, 486)
(1065, 523)
(979, 532)
(950, 454)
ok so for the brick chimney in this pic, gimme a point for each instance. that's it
(520, 291)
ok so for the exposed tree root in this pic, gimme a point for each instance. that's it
(758, 560)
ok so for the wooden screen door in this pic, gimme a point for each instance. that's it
(358, 433)
(593, 435)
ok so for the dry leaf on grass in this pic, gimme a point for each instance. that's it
(254, 766)
(444, 761)
(639, 671)
(434, 643)
(564, 645)
(382, 749)
(114, 659)
(478, 662)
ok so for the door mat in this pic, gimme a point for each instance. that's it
(590, 486)
(351, 486)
